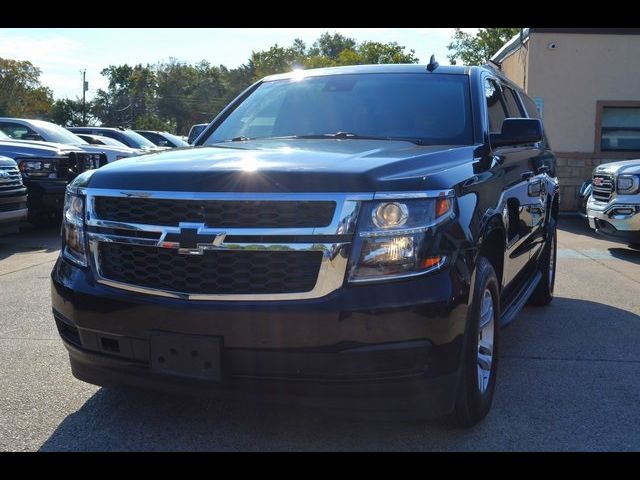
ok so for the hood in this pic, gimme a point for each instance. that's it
(6, 161)
(620, 168)
(296, 165)
(33, 148)
(129, 152)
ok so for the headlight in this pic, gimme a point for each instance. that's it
(44, 168)
(628, 184)
(73, 244)
(392, 238)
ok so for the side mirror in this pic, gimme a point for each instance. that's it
(517, 131)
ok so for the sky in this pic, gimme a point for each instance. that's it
(61, 53)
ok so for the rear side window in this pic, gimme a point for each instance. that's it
(530, 105)
(512, 103)
(495, 106)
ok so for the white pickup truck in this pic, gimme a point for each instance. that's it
(614, 206)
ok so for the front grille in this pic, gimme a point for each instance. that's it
(12, 181)
(10, 207)
(216, 213)
(79, 162)
(602, 187)
(214, 272)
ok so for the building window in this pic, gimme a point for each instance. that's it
(619, 127)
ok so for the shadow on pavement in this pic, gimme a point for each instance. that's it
(30, 239)
(130, 419)
(628, 254)
(577, 225)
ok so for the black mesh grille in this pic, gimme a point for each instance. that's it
(215, 213)
(214, 272)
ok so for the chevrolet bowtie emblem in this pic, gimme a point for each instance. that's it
(192, 239)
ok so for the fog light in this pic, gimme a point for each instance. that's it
(623, 211)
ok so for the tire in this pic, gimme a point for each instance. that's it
(543, 294)
(475, 392)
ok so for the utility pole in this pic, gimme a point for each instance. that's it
(85, 87)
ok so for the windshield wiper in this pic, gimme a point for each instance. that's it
(348, 135)
(338, 135)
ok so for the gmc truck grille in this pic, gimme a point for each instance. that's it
(214, 272)
(602, 186)
(10, 178)
(218, 214)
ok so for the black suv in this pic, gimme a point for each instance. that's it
(353, 237)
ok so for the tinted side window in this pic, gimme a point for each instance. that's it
(512, 103)
(120, 138)
(530, 105)
(19, 132)
(495, 106)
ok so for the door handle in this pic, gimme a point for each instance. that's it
(527, 175)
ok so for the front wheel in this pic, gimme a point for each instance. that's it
(480, 362)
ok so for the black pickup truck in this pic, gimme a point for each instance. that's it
(352, 237)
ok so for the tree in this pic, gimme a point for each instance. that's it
(21, 93)
(331, 46)
(67, 112)
(477, 49)
(376, 52)
(130, 100)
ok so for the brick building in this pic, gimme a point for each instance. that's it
(586, 84)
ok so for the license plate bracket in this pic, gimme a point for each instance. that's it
(194, 356)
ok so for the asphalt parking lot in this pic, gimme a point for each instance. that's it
(569, 376)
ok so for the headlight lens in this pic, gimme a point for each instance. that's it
(392, 238)
(73, 229)
(628, 184)
(44, 168)
(388, 215)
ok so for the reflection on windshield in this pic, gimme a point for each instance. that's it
(418, 107)
(55, 133)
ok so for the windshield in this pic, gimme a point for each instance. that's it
(51, 132)
(108, 141)
(177, 141)
(136, 140)
(4, 136)
(423, 108)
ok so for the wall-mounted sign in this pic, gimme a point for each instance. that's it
(540, 106)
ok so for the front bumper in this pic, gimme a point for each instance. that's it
(46, 196)
(393, 347)
(619, 218)
(13, 210)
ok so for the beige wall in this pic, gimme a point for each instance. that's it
(581, 70)
(515, 67)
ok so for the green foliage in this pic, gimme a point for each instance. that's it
(477, 49)
(174, 95)
(21, 93)
(331, 46)
(67, 112)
